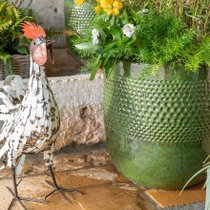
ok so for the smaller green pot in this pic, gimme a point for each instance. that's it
(77, 18)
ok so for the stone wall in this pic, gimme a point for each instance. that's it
(80, 103)
(50, 13)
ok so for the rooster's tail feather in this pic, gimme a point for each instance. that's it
(11, 95)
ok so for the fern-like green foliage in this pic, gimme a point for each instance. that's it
(194, 13)
(166, 41)
(11, 39)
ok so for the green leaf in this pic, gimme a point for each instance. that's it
(116, 33)
(112, 20)
(84, 46)
(22, 50)
(5, 24)
(102, 34)
(129, 43)
(3, 5)
(196, 174)
(8, 66)
(207, 202)
(95, 67)
(4, 56)
(111, 68)
(105, 17)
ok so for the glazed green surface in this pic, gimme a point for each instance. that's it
(155, 127)
(155, 164)
(77, 18)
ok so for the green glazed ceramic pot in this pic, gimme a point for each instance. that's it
(77, 18)
(156, 123)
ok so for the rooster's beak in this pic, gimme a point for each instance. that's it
(49, 47)
(49, 42)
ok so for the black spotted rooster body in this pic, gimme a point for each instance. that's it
(34, 123)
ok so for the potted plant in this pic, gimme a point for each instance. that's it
(13, 46)
(155, 55)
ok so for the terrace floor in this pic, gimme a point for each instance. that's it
(103, 186)
(103, 189)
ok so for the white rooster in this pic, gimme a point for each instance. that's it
(31, 116)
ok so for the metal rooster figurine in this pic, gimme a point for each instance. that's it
(32, 115)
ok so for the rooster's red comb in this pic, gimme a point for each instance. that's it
(32, 31)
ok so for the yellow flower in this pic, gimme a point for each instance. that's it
(111, 7)
(99, 1)
(118, 4)
(79, 2)
(97, 9)
(109, 11)
(116, 11)
(105, 4)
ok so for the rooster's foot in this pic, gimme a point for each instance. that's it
(60, 190)
(19, 199)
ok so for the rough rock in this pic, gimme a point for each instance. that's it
(81, 125)
(80, 102)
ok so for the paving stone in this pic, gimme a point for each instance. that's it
(190, 199)
(81, 164)
(104, 188)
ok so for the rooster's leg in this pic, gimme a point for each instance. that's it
(16, 196)
(54, 184)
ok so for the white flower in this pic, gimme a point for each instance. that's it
(95, 41)
(144, 11)
(128, 29)
(95, 35)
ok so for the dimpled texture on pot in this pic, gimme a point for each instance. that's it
(155, 128)
(78, 17)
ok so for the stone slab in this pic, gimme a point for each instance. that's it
(77, 90)
(190, 199)
(104, 189)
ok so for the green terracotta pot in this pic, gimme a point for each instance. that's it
(156, 123)
(77, 18)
